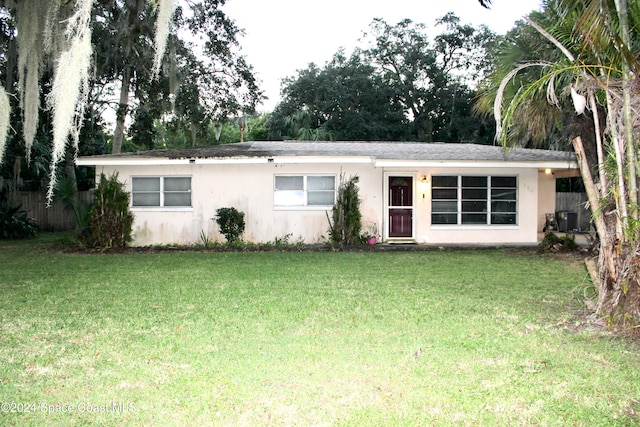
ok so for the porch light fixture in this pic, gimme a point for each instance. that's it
(424, 182)
(547, 171)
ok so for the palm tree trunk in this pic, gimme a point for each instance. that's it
(615, 282)
(623, 18)
(599, 150)
(592, 192)
(621, 199)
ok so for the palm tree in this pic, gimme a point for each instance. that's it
(596, 70)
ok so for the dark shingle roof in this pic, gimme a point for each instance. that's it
(375, 150)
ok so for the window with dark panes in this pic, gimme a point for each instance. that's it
(444, 199)
(504, 191)
(474, 200)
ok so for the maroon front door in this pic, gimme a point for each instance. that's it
(400, 206)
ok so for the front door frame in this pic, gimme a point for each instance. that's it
(388, 207)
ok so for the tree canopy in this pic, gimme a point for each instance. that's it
(169, 61)
(345, 100)
(398, 86)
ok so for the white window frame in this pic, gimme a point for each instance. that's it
(304, 205)
(162, 193)
(459, 202)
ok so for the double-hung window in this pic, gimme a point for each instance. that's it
(474, 200)
(161, 191)
(304, 190)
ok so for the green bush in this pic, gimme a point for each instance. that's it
(66, 192)
(555, 243)
(231, 223)
(346, 219)
(14, 222)
(110, 221)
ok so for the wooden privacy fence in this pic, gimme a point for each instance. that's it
(52, 218)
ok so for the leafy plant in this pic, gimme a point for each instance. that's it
(345, 222)
(67, 191)
(110, 220)
(554, 243)
(231, 223)
(14, 222)
(282, 241)
(205, 241)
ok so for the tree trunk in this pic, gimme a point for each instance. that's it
(618, 277)
(590, 187)
(121, 115)
(623, 18)
(70, 172)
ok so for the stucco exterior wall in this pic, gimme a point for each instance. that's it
(547, 197)
(249, 188)
(523, 233)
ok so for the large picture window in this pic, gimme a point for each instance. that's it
(161, 191)
(473, 200)
(304, 190)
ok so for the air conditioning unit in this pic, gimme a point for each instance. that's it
(567, 221)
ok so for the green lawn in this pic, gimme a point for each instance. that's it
(465, 337)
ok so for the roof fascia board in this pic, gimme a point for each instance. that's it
(164, 161)
(558, 164)
(230, 160)
(129, 162)
(321, 159)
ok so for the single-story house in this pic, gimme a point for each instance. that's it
(425, 193)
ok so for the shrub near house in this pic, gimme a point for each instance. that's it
(14, 222)
(231, 223)
(110, 221)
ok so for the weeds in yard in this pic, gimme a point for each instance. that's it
(282, 241)
(205, 241)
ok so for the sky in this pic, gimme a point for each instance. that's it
(283, 36)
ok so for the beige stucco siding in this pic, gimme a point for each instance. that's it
(249, 188)
(547, 199)
(523, 233)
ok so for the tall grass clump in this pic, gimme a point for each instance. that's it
(110, 221)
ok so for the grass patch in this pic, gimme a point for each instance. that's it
(459, 337)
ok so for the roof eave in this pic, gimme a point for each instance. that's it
(163, 161)
(159, 161)
(535, 164)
